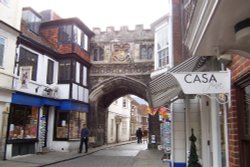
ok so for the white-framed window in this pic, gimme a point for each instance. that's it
(2, 50)
(162, 46)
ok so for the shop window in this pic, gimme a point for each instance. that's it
(28, 64)
(68, 124)
(23, 122)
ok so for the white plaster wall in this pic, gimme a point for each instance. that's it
(6, 71)
(11, 14)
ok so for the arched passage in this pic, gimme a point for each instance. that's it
(103, 94)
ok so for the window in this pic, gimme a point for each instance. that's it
(98, 54)
(28, 59)
(146, 52)
(33, 20)
(5, 2)
(68, 124)
(124, 103)
(112, 127)
(79, 37)
(162, 46)
(65, 34)
(83, 75)
(64, 70)
(2, 44)
(50, 72)
(23, 122)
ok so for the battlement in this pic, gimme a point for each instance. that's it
(111, 29)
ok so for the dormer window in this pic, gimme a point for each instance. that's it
(73, 34)
(32, 19)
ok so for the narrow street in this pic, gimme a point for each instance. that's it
(129, 155)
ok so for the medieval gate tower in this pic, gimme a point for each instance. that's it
(121, 64)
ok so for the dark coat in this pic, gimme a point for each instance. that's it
(139, 133)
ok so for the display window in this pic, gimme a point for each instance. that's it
(68, 124)
(23, 122)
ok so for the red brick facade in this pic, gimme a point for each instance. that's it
(51, 35)
(177, 37)
(238, 67)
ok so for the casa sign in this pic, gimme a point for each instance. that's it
(204, 82)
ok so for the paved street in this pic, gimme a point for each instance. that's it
(128, 154)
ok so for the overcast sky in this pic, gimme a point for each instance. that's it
(104, 13)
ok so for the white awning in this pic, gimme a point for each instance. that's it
(165, 87)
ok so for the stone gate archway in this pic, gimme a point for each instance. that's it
(122, 62)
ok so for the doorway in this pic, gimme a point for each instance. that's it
(43, 127)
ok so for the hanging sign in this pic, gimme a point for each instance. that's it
(204, 82)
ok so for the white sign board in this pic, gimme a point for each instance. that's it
(204, 82)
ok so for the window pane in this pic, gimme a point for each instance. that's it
(98, 54)
(64, 70)
(50, 72)
(65, 34)
(2, 42)
(27, 59)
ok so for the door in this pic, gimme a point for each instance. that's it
(206, 132)
(44, 127)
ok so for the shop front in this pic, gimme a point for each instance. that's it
(27, 124)
(198, 101)
(38, 124)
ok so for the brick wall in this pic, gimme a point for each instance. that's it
(239, 66)
(177, 37)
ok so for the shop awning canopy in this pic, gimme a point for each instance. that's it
(164, 87)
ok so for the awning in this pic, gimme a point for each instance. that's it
(165, 87)
(38, 101)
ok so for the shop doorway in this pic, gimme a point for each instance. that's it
(44, 127)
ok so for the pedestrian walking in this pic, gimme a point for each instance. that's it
(139, 135)
(84, 138)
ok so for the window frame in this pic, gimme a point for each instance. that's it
(50, 72)
(162, 33)
(2, 55)
(62, 72)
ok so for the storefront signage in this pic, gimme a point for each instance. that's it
(204, 82)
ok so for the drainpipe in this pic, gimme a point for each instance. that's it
(225, 110)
